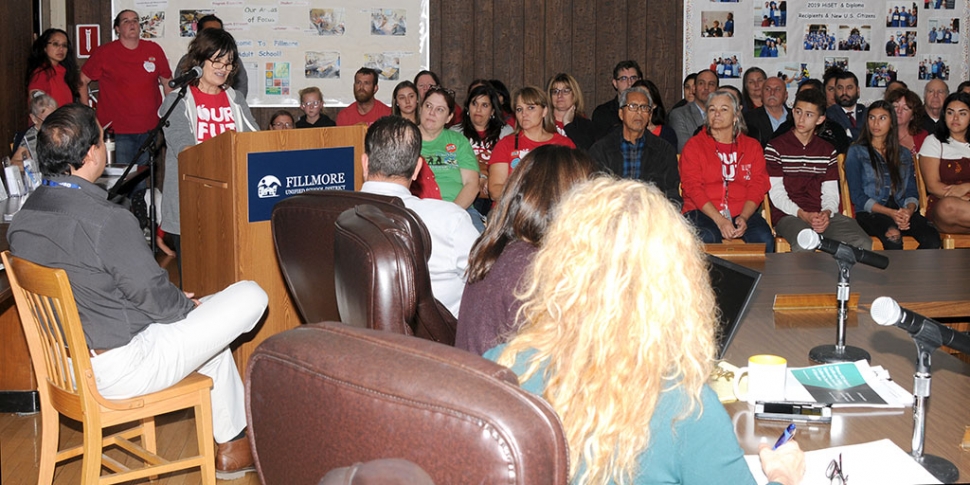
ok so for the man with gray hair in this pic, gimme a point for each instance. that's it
(391, 160)
(634, 152)
(934, 94)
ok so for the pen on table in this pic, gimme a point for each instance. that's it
(785, 436)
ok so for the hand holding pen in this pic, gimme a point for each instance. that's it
(785, 461)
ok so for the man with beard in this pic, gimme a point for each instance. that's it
(636, 153)
(688, 118)
(365, 110)
(773, 117)
(847, 112)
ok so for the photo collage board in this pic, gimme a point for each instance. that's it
(879, 41)
(287, 45)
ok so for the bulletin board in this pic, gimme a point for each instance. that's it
(287, 45)
(913, 41)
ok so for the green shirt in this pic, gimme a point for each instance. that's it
(447, 155)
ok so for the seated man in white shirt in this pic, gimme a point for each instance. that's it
(391, 160)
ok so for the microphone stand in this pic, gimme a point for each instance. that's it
(826, 354)
(150, 147)
(939, 467)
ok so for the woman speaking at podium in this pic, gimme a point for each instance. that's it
(209, 108)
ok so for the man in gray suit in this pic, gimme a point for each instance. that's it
(686, 119)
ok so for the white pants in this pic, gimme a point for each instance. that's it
(164, 354)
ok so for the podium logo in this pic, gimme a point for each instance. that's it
(268, 186)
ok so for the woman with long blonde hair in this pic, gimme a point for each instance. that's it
(618, 336)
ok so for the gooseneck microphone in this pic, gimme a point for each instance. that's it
(186, 77)
(885, 311)
(809, 239)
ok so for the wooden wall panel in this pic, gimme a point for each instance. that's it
(483, 42)
(16, 38)
(558, 53)
(583, 67)
(533, 43)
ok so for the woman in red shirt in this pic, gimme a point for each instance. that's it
(723, 176)
(534, 127)
(52, 69)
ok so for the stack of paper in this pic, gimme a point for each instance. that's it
(846, 384)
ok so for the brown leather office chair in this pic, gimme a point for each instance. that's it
(303, 230)
(381, 273)
(325, 396)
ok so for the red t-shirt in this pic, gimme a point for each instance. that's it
(53, 84)
(214, 114)
(505, 150)
(129, 94)
(349, 116)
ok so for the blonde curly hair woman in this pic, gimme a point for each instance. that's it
(618, 335)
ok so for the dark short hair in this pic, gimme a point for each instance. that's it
(830, 73)
(405, 84)
(392, 145)
(276, 115)
(690, 77)
(812, 83)
(369, 72)
(66, 137)
(627, 65)
(942, 131)
(843, 75)
(447, 94)
(964, 84)
(117, 21)
(812, 96)
(213, 43)
(209, 18)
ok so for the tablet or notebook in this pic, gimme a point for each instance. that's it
(734, 286)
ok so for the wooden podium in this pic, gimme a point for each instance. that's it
(219, 244)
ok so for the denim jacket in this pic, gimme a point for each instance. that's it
(864, 188)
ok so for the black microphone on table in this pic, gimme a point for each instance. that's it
(885, 311)
(186, 77)
(809, 239)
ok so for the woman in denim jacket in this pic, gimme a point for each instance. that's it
(882, 183)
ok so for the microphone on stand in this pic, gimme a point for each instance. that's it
(809, 239)
(885, 311)
(186, 77)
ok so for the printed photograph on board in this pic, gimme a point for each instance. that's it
(855, 37)
(717, 24)
(322, 65)
(879, 74)
(387, 65)
(771, 43)
(944, 31)
(839, 62)
(819, 37)
(939, 4)
(793, 73)
(189, 21)
(934, 67)
(901, 43)
(388, 21)
(771, 13)
(901, 14)
(153, 25)
(328, 21)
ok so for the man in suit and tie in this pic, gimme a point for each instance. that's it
(847, 111)
(773, 117)
(686, 119)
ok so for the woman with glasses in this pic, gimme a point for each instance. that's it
(448, 153)
(882, 183)
(617, 332)
(569, 111)
(723, 176)
(281, 120)
(534, 127)
(52, 69)
(311, 101)
(210, 107)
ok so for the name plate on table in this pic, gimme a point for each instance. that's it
(275, 176)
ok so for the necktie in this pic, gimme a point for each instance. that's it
(851, 115)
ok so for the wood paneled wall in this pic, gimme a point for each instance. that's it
(16, 37)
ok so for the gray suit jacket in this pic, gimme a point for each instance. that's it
(685, 120)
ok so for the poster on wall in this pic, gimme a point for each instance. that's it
(289, 45)
(913, 41)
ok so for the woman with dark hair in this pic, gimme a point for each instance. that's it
(52, 69)
(909, 116)
(514, 234)
(882, 183)
(505, 101)
(657, 122)
(210, 107)
(535, 127)
(945, 165)
(751, 84)
(724, 178)
(404, 101)
(569, 110)
(426, 80)
(281, 120)
(483, 126)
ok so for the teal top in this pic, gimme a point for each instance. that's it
(698, 449)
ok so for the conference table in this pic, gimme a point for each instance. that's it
(932, 283)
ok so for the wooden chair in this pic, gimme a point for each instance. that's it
(848, 211)
(781, 244)
(62, 362)
(950, 241)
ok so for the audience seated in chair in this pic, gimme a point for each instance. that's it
(945, 163)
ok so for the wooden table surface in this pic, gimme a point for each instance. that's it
(934, 283)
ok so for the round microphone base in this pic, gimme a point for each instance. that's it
(828, 354)
(940, 468)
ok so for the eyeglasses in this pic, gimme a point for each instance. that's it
(438, 89)
(57, 45)
(638, 108)
(562, 91)
(312, 104)
(280, 124)
(631, 79)
(221, 65)
(834, 472)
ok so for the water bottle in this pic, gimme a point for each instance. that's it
(109, 144)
